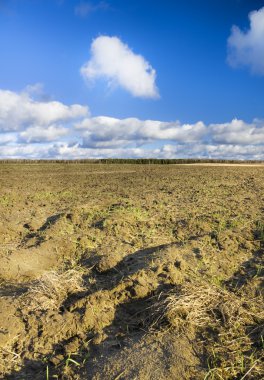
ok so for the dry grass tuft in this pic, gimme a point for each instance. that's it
(53, 288)
(231, 326)
(207, 306)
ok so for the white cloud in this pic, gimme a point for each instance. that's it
(36, 92)
(85, 8)
(238, 132)
(214, 151)
(37, 129)
(69, 151)
(247, 48)
(38, 134)
(102, 129)
(20, 111)
(119, 65)
(7, 138)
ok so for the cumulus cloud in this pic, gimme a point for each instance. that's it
(38, 134)
(76, 151)
(238, 132)
(213, 151)
(71, 151)
(7, 138)
(103, 129)
(119, 65)
(19, 111)
(84, 8)
(36, 129)
(246, 48)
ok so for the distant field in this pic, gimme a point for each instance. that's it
(131, 271)
(227, 164)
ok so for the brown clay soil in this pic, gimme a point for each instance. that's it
(131, 272)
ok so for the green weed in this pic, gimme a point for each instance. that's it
(260, 230)
(69, 360)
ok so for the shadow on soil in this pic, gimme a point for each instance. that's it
(32, 370)
(254, 267)
(131, 321)
(38, 234)
(249, 270)
(108, 279)
(13, 290)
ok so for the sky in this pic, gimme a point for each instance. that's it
(141, 78)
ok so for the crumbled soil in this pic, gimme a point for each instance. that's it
(107, 271)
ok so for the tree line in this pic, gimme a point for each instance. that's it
(144, 161)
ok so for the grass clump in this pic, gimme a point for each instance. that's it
(260, 230)
(53, 288)
(231, 326)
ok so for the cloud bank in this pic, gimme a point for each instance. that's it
(31, 128)
(114, 61)
(246, 48)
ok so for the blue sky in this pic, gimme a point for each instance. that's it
(132, 78)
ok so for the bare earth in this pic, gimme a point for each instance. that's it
(146, 272)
